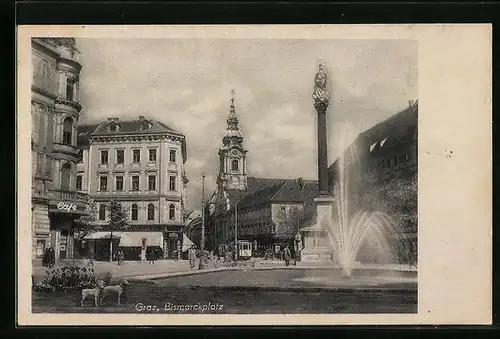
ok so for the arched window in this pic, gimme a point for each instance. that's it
(151, 212)
(67, 131)
(102, 212)
(171, 212)
(135, 212)
(234, 165)
(65, 177)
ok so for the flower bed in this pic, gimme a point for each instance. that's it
(67, 278)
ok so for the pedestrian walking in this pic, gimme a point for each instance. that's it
(120, 256)
(91, 256)
(51, 257)
(192, 256)
(288, 255)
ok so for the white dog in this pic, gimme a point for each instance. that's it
(116, 289)
(93, 292)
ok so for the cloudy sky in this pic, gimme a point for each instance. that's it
(186, 84)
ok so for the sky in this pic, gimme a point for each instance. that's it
(186, 84)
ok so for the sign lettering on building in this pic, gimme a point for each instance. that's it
(66, 207)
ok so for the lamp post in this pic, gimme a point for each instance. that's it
(203, 258)
(202, 241)
(236, 231)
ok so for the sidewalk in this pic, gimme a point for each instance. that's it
(128, 269)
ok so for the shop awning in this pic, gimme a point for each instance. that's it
(131, 239)
(186, 243)
(101, 235)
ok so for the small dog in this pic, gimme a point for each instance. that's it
(93, 292)
(116, 289)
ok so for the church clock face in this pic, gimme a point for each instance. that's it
(235, 153)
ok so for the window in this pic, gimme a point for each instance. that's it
(171, 212)
(67, 131)
(152, 155)
(70, 89)
(78, 182)
(152, 182)
(173, 155)
(171, 183)
(102, 212)
(234, 165)
(135, 183)
(103, 183)
(65, 177)
(119, 183)
(104, 157)
(120, 156)
(136, 156)
(135, 212)
(151, 212)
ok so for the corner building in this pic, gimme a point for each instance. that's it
(140, 164)
(55, 111)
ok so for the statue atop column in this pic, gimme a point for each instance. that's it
(321, 95)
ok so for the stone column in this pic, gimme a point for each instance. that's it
(321, 108)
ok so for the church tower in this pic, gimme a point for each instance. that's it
(232, 155)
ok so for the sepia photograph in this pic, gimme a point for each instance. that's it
(225, 176)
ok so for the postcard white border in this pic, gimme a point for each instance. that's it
(455, 193)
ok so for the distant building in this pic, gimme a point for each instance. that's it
(55, 110)
(264, 211)
(140, 164)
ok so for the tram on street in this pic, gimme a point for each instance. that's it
(244, 249)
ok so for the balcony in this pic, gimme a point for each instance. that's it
(65, 104)
(64, 148)
(67, 202)
(73, 196)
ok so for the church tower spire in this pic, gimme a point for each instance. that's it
(232, 155)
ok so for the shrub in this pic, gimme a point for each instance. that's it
(67, 278)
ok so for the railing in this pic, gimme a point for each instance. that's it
(73, 104)
(69, 195)
(64, 148)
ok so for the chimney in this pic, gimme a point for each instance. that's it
(113, 119)
(411, 102)
(301, 183)
(141, 117)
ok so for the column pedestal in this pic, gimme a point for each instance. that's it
(316, 243)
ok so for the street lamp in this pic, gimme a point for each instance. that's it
(202, 242)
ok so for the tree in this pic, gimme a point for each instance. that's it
(117, 222)
(86, 223)
(292, 219)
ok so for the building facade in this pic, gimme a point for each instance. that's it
(55, 110)
(265, 211)
(141, 164)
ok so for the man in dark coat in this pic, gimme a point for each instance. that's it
(51, 257)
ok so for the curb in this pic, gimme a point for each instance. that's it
(347, 289)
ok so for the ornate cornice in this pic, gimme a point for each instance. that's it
(135, 137)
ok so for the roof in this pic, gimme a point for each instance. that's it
(84, 132)
(274, 190)
(400, 126)
(141, 126)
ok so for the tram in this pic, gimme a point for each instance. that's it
(244, 249)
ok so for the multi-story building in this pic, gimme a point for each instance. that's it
(140, 164)
(264, 211)
(55, 112)
(376, 161)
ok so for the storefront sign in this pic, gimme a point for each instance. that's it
(66, 207)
